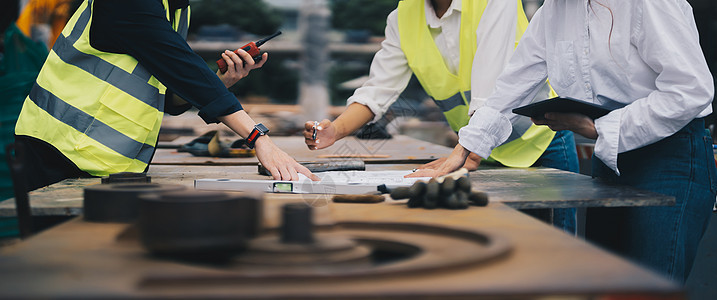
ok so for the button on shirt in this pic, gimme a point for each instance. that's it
(641, 58)
(390, 72)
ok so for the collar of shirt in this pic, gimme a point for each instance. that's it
(433, 21)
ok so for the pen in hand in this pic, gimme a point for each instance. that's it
(313, 135)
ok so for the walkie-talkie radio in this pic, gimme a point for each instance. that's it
(251, 48)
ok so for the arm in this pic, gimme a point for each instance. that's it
(517, 85)
(669, 43)
(236, 70)
(139, 28)
(495, 43)
(490, 125)
(388, 77)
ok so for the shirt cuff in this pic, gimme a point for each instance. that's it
(375, 108)
(221, 106)
(607, 143)
(486, 130)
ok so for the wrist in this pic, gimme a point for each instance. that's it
(461, 152)
(258, 132)
(262, 141)
(339, 129)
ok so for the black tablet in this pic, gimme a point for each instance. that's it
(537, 110)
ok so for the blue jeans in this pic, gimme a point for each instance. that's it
(663, 238)
(561, 154)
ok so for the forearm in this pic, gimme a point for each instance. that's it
(239, 122)
(355, 116)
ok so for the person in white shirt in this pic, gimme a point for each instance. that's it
(447, 26)
(642, 59)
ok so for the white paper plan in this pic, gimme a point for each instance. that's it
(332, 182)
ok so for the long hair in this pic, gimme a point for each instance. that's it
(612, 26)
(612, 18)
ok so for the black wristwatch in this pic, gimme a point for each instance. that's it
(259, 130)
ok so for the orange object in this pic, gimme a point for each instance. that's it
(251, 48)
(54, 13)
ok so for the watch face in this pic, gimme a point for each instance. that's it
(262, 128)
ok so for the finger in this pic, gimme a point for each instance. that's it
(236, 64)
(307, 173)
(234, 57)
(310, 142)
(293, 173)
(275, 173)
(309, 134)
(309, 126)
(423, 173)
(248, 60)
(539, 121)
(230, 63)
(325, 124)
(285, 174)
(261, 63)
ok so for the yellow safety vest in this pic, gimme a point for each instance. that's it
(101, 110)
(451, 92)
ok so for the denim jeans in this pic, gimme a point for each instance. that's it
(560, 154)
(663, 238)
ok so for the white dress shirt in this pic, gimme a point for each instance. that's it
(641, 58)
(390, 73)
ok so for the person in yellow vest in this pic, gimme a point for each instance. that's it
(641, 60)
(456, 49)
(98, 102)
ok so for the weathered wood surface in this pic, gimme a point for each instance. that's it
(518, 188)
(87, 260)
(552, 188)
(399, 149)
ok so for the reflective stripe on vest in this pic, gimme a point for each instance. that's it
(114, 133)
(448, 90)
(451, 92)
(81, 121)
(452, 102)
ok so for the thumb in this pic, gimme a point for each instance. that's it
(325, 124)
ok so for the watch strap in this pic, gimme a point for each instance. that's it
(258, 131)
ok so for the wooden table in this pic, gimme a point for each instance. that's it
(87, 260)
(398, 150)
(517, 188)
